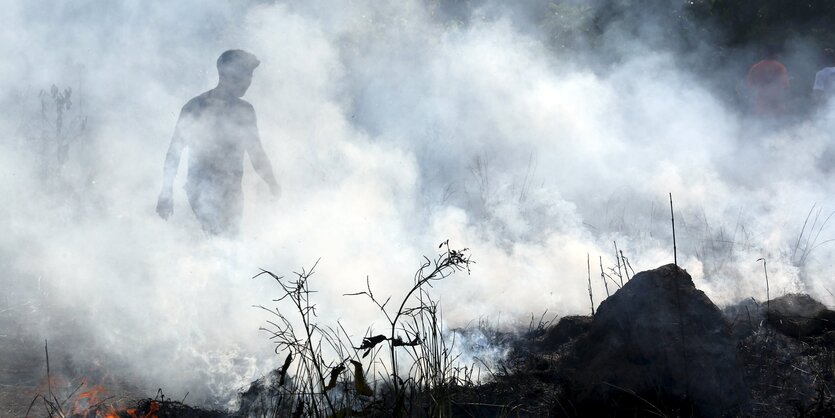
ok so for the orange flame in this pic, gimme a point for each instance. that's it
(88, 399)
(91, 400)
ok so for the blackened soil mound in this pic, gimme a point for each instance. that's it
(800, 316)
(569, 328)
(657, 343)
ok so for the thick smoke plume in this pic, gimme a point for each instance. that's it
(391, 128)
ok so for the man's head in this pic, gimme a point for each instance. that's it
(772, 51)
(234, 68)
(828, 57)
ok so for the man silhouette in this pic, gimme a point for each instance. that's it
(217, 127)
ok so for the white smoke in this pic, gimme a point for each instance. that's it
(391, 129)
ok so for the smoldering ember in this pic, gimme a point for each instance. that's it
(440, 208)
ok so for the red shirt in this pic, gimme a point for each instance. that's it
(769, 80)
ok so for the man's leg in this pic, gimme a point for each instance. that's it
(204, 206)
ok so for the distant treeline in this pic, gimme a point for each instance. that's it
(719, 39)
(745, 22)
(725, 23)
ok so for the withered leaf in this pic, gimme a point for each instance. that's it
(335, 372)
(360, 384)
(283, 372)
(371, 342)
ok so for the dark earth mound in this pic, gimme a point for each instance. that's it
(658, 340)
(660, 347)
(800, 316)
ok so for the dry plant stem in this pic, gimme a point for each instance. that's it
(611, 278)
(627, 266)
(49, 378)
(811, 242)
(53, 406)
(591, 297)
(434, 368)
(310, 361)
(442, 267)
(830, 293)
(305, 315)
(57, 404)
(451, 260)
(767, 293)
(673, 221)
(803, 230)
(620, 275)
(603, 277)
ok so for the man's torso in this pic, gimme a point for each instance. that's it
(217, 132)
(825, 80)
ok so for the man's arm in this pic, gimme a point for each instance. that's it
(262, 166)
(259, 159)
(165, 203)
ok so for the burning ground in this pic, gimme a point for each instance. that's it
(656, 347)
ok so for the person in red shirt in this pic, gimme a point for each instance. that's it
(768, 82)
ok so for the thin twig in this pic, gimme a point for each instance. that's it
(603, 277)
(673, 221)
(767, 294)
(620, 275)
(591, 297)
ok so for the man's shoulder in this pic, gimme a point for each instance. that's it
(826, 72)
(824, 79)
(769, 64)
(197, 103)
(244, 109)
(243, 104)
(207, 100)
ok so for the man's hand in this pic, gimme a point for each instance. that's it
(165, 204)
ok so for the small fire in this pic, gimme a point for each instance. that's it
(153, 408)
(88, 399)
(92, 402)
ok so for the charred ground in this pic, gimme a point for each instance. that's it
(657, 347)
